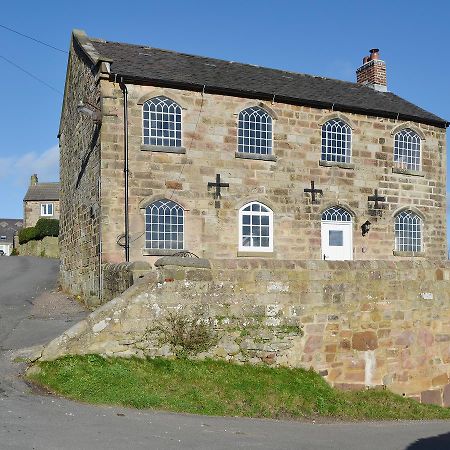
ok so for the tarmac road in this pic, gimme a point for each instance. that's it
(30, 315)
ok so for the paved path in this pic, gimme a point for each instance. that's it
(29, 315)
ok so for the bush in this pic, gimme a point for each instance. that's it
(14, 252)
(47, 227)
(27, 234)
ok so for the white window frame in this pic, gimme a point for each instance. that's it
(414, 233)
(154, 244)
(250, 213)
(255, 149)
(342, 132)
(404, 140)
(44, 210)
(178, 126)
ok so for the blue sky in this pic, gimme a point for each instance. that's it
(318, 37)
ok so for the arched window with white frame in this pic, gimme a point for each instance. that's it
(336, 141)
(255, 131)
(164, 225)
(407, 149)
(408, 232)
(161, 122)
(255, 228)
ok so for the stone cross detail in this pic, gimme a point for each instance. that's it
(313, 191)
(217, 185)
(376, 198)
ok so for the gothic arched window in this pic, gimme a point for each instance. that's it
(407, 150)
(408, 232)
(161, 122)
(255, 131)
(255, 228)
(164, 225)
(336, 141)
(336, 214)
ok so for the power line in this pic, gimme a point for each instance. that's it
(31, 75)
(33, 39)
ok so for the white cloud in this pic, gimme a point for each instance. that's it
(18, 169)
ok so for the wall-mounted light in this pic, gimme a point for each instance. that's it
(90, 110)
(365, 227)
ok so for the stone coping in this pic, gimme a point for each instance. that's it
(200, 263)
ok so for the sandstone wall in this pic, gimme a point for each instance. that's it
(80, 241)
(210, 148)
(32, 212)
(357, 323)
(48, 247)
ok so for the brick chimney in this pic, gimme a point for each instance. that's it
(373, 72)
(34, 180)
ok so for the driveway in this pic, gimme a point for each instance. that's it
(31, 312)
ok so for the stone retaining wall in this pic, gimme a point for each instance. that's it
(47, 247)
(359, 323)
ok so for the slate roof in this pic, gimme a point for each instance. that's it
(42, 191)
(8, 228)
(137, 63)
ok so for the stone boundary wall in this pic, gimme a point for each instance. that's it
(117, 278)
(47, 247)
(358, 323)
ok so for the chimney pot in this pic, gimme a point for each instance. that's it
(374, 54)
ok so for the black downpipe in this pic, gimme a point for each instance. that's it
(125, 168)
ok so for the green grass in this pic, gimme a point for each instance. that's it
(219, 388)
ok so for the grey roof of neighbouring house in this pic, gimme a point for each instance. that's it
(142, 64)
(8, 228)
(42, 191)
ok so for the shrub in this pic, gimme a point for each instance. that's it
(27, 234)
(47, 227)
(186, 335)
(14, 252)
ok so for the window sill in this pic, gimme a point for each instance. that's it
(159, 252)
(414, 173)
(162, 149)
(342, 165)
(256, 253)
(408, 254)
(255, 156)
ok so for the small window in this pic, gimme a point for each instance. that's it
(255, 228)
(336, 141)
(408, 232)
(255, 132)
(407, 150)
(2, 238)
(336, 214)
(164, 225)
(161, 122)
(47, 209)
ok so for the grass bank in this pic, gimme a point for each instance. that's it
(219, 388)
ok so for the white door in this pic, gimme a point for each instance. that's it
(337, 242)
(337, 234)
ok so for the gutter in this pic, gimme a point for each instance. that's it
(283, 99)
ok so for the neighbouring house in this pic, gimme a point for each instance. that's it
(41, 200)
(229, 160)
(8, 229)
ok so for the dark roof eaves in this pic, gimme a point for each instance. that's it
(284, 99)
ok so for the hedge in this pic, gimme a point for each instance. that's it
(47, 227)
(43, 228)
(27, 234)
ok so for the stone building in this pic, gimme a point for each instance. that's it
(8, 230)
(41, 200)
(164, 152)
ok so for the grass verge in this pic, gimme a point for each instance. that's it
(219, 388)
